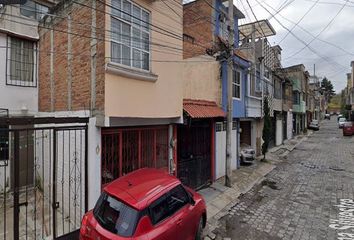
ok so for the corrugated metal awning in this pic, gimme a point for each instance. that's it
(202, 109)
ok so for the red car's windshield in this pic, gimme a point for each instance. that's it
(115, 216)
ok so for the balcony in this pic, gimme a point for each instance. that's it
(299, 108)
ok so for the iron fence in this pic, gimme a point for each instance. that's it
(43, 179)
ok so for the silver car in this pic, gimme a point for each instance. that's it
(341, 122)
(247, 153)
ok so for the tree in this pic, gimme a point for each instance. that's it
(267, 128)
(327, 89)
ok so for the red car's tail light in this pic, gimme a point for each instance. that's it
(85, 229)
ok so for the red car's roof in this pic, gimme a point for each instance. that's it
(141, 186)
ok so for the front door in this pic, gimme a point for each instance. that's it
(194, 154)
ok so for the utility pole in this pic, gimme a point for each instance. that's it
(229, 96)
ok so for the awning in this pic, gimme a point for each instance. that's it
(263, 29)
(202, 109)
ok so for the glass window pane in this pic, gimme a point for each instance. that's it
(126, 55)
(145, 20)
(116, 52)
(177, 199)
(15, 59)
(159, 210)
(116, 29)
(126, 10)
(137, 15)
(28, 9)
(146, 61)
(116, 8)
(126, 34)
(115, 216)
(136, 39)
(136, 58)
(41, 11)
(145, 41)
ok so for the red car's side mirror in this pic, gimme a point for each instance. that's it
(144, 226)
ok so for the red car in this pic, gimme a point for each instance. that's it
(348, 129)
(147, 204)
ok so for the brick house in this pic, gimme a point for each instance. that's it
(112, 61)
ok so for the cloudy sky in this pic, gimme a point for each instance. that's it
(332, 52)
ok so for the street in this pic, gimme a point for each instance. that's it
(300, 198)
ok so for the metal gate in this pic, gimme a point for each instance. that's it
(43, 177)
(127, 149)
(194, 154)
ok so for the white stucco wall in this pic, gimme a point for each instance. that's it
(289, 126)
(15, 98)
(220, 152)
(279, 132)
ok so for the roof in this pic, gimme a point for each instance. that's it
(262, 26)
(202, 109)
(140, 187)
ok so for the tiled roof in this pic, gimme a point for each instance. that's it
(202, 109)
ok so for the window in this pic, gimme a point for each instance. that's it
(21, 62)
(115, 216)
(258, 82)
(177, 199)
(159, 210)
(224, 32)
(130, 35)
(4, 143)
(296, 98)
(236, 85)
(34, 10)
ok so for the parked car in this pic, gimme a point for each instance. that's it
(348, 129)
(247, 153)
(327, 116)
(144, 205)
(314, 125)
(339, 116)
(341, 122)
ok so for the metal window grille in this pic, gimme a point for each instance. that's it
(126, 150)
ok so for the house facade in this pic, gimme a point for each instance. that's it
(105, 62)
(257, 49)
(205, 78)
(299, 77)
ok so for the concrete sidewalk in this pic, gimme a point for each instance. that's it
(219, 199)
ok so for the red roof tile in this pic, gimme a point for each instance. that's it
(202, 109)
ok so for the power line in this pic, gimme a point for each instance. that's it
(171, 9)
(299, 39)
(89, 37)
(298, 22)
(324, 29)
(311, 34)
(89, 55)
(256, 18)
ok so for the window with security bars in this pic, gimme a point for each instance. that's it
(236, 85)
(130, 35)
(21, 62)
(4, 143)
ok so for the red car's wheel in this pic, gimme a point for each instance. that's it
(199, 233)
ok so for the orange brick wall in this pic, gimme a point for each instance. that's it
(81, 59)
(197, 18)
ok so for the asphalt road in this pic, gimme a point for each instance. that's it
(310, 195)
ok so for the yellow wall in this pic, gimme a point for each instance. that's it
(201, 78)
(127, 97)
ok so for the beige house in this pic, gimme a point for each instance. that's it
(118, 62)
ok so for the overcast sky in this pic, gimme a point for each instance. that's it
(330, 60)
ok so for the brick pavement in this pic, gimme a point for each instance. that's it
(297, 200)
